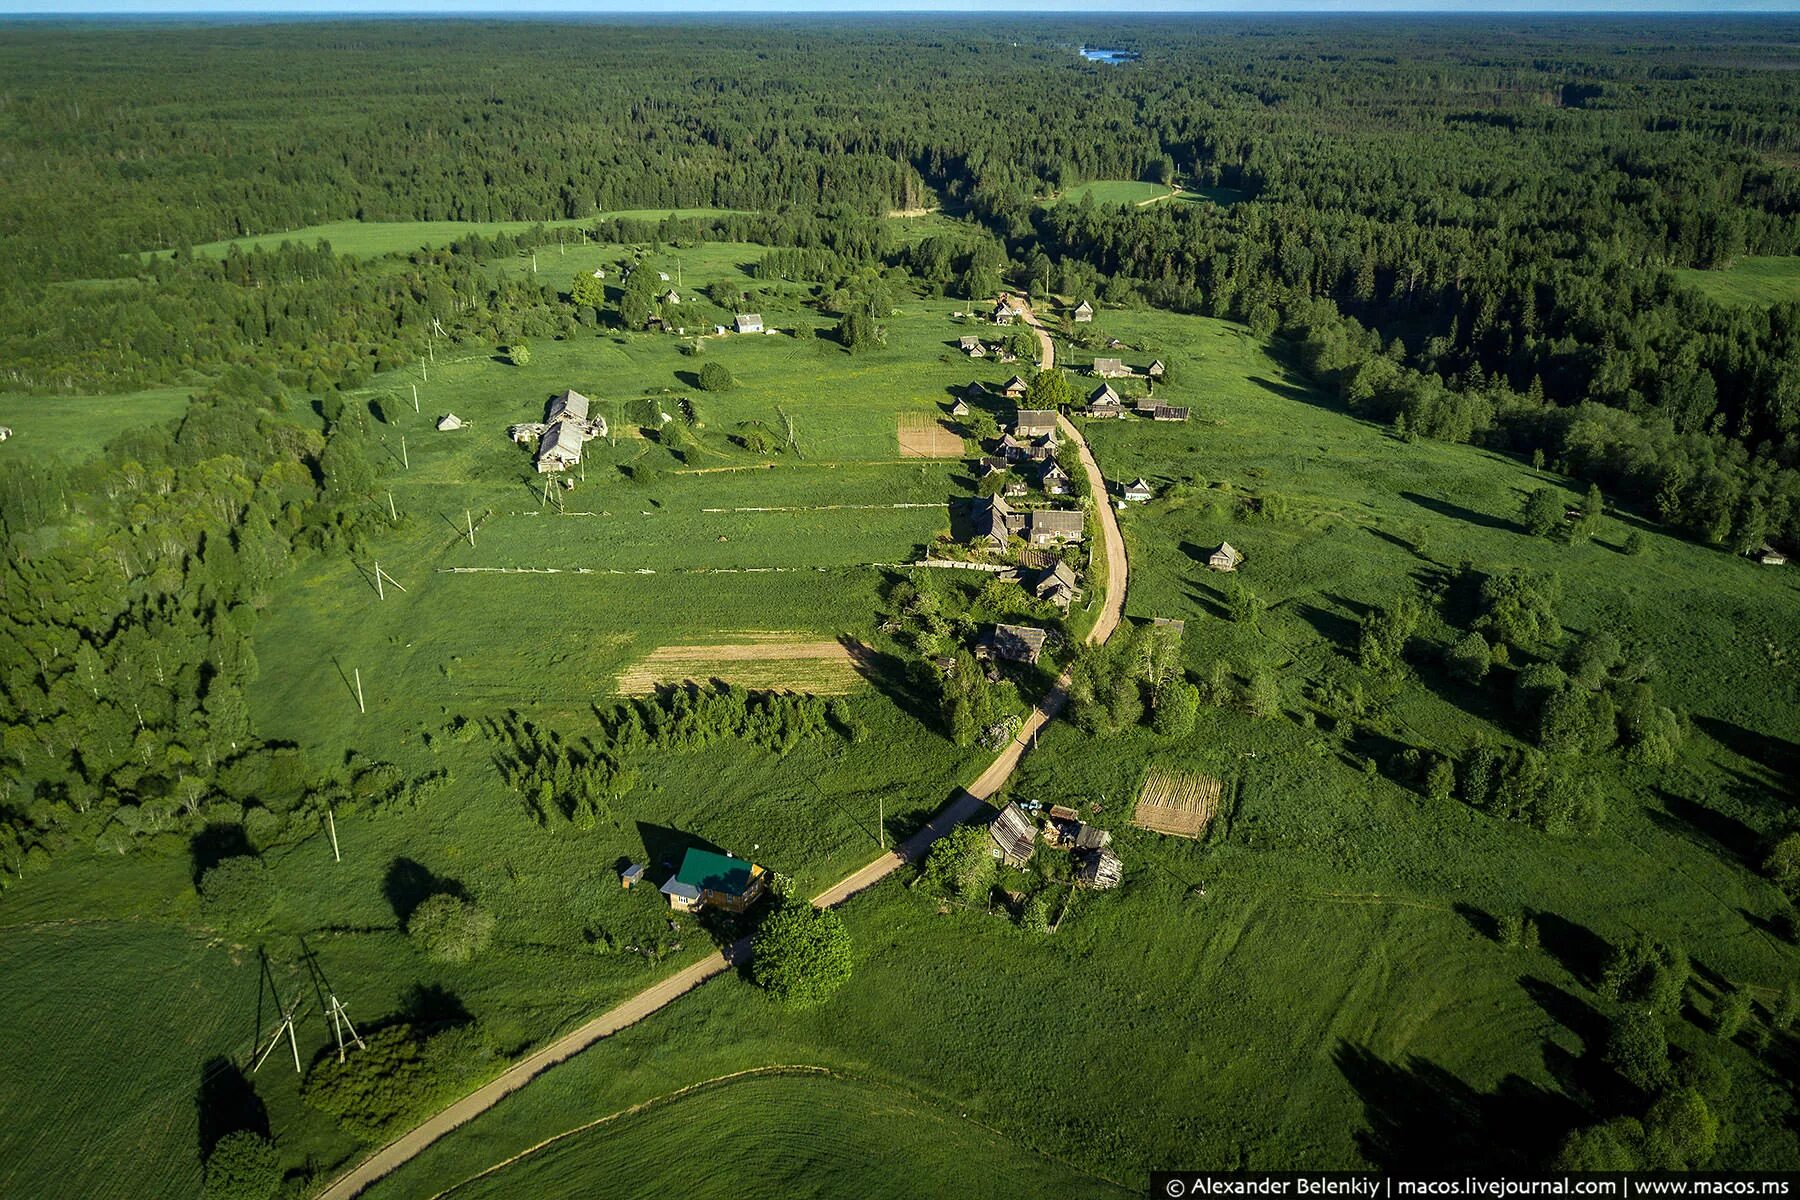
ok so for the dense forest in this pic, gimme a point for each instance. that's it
(1469, 233)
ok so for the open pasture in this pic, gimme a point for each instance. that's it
(1756, 281)
(370, 239)
(74, 429)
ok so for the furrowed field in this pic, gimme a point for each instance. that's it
(1337, 995)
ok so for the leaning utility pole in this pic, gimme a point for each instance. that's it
(331, 827)
(340, 1021)
(359, 696)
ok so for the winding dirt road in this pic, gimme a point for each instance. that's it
(964, 805)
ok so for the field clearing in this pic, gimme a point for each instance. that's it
(369, 239)
(1758, 281)
(775, 661)
(73, 429)
(922, 436)
(1139, 192)
(793, 1135)
(1182, 805)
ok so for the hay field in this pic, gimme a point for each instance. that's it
(775, 660)
(922, 436)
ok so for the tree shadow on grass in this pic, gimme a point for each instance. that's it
(1580, 950)
(213, 845)
(1580, 1073)
(1341, 631)
(1776, 755)
(1419, 1116)
(225, 1103)
(1724, 836)
(409, 884)
(1446, 508)
(909, 685)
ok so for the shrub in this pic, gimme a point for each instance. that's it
(1542, 512)
(519, 355)
(959, 864)
(237, 892)
(1469, 659)
(715, 377)
(803, 955)
(1733, 1010)
(395, 1074)
(1637, 1048)
(1782, 866)
(450, 928)
(1177, 704)
(1787, 1007)
(1680, 1131)
(243, 1166)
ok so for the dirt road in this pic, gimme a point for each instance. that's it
(962, 807)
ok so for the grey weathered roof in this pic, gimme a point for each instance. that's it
(560, 439)
(1057, 520)
(1139, 487)
(1013, 832)
(1034, 422)
(745, 321)
(1100, 869)
(1016, 383)
(633, 873)
(686, 891)
(1089, 837)
(569, 404)
(1109, 366)
(1227, 550)
(1021, 643)
(1104, 394)
(1085, 307)
(968, 341)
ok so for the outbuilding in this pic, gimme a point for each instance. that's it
(1226, 558)
(1013, 835)
(1139, 490)
(748, 322)
(1084, 312)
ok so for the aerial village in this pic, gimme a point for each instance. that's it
(1028, 526)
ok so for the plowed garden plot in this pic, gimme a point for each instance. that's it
(924, 436)
(771, 660)
(1182, 805)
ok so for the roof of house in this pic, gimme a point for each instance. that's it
(1059, 577)
(968, 341)
(449, 421)
(745, 321)
(1139, 486)
(1103, 365)
(1016, 383)
(568, 404)
(1057, 520)
(1155, 368)
(1084, 306)
(633, 873)
(1013, 832)
(1227, 550)
(1034, 420)
(1019, 642)
(686, 891)
(1103, 394)
(1089, 837)
(1062, 812)
(561, 438)
(1053, 470)
(713, 872)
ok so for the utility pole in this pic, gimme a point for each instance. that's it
(392, 515)
(881, 820)
(379, 594)
(331, 825)
(415, 388)
(340, 1021)
(359, 696)
(467, 516)
(404, 460)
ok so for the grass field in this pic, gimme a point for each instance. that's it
(1757, 281)
(795, 1135)
(368, 239)
(73, 429)
(1130, 191)
(1336, 996)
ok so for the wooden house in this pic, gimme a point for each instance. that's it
(671, 297)
(1005, 312)
(1057, 586)
(1012, 449)
(559, 448)
(1084, 312)
(1055, 481)
(1015, 643)
(1054, 526)
(707, 878)
(1225, 558)
(448, 422)
(1168, 412)
(1769, 556)
(972, 347)
(1013, 835)
(631, 876)
(1014, 388)
(1034, 422)
(1105, 397)
(1099, 869)
(1110, 368)
(569, 406)
(747, 322)
(1157, 369)
(1138, 491)
(996, 523)
(959, 408)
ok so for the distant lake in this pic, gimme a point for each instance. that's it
(1102, 54)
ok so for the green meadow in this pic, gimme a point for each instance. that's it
(1131, 191)
(371, 239)
(1757, 281)
(74, 429)
(1317, 982)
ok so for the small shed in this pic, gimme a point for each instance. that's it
(1226, 558)
(747, 322)
(1054, 526)
(5, 432)
(1014, 388)
(1139, 490)
(1769, 556)
(445, 423)
(1013, 835)
(1034, 422)
(1157, 369)
(960, 408)
(972, 347)
(1084, 312)
(1099, 869)
(1055, 481)
(1104, 397)
(1110, 368)
(1168, 412)
(631, 875)
(1004, 312)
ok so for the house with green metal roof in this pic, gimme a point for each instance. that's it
(719, 880)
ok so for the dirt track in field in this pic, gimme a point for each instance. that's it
(769, 662)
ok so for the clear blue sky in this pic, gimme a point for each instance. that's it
(1070, 7)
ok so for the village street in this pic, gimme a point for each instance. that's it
(963, 806)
